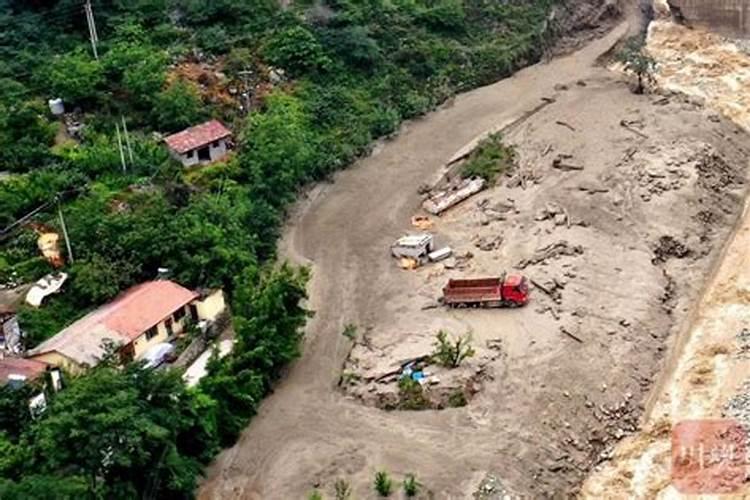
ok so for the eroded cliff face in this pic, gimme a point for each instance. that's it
(727, 17)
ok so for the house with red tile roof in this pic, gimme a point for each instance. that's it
(139, 318)
(21, 370)
(200, 144)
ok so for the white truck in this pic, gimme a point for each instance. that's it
(414, 246)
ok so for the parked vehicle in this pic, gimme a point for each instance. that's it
(159, 354)
(508, 290)
(415, 246)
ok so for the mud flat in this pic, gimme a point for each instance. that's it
(707, 373)
(622, 243)
(627, 201)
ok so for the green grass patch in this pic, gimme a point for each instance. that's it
(490, 159)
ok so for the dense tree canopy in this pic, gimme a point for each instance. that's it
(322, 81)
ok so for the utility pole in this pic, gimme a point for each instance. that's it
(92, 27)
(127, 140)
(119, 144)
(65, 231)
(246, 94)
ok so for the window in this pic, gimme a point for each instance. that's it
(189, 154)
(179, 314)
(151, 333)
(168, 324)
(215, 144)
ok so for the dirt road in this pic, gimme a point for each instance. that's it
(307, 429)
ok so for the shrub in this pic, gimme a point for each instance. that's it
(350, 331)
(315, 495)
(342, 489)
(490, 159)
(457, 398)
(76, 76)
(239, 59)
(178, 106)
(446, 15)
(383, 484)
(452, 352)
(297, 51)
(411, 395)
(411, 486)
(637, 61)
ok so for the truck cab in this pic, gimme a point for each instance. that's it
(515, 289)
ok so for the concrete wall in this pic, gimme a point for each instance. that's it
(727, 17)
(190, 158)
(58, 360)
(211, 306)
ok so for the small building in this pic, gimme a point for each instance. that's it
(21, 370)
(200, 144)
(139, 318)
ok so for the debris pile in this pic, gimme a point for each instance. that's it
(743, 340)
(492, 213)
(552, 288)
(738, 407)
(422, 222)
(554, 212)
(668, 247)
(488, 243)
(491, 488)
(714, 171)
(561, 162)
(457, 191)
(552, 251)
(459, 261)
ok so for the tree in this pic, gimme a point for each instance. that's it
(25, 136)
(269, 318)
(354, 45)
(15, 416)
(122, 431)
(13, 456)
(279, 149)
(76, 76)
(134, 64)
(178, 106)
(452, 352)
(297, 51)
(96, 280)
(44, 487)
(447, 15)
(637, 61)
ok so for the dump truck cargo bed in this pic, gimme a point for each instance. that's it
(506, 290)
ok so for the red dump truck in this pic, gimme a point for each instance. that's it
(508, 290)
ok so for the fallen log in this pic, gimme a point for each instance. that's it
(566, 125)
(624, 124)
(571, 335)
